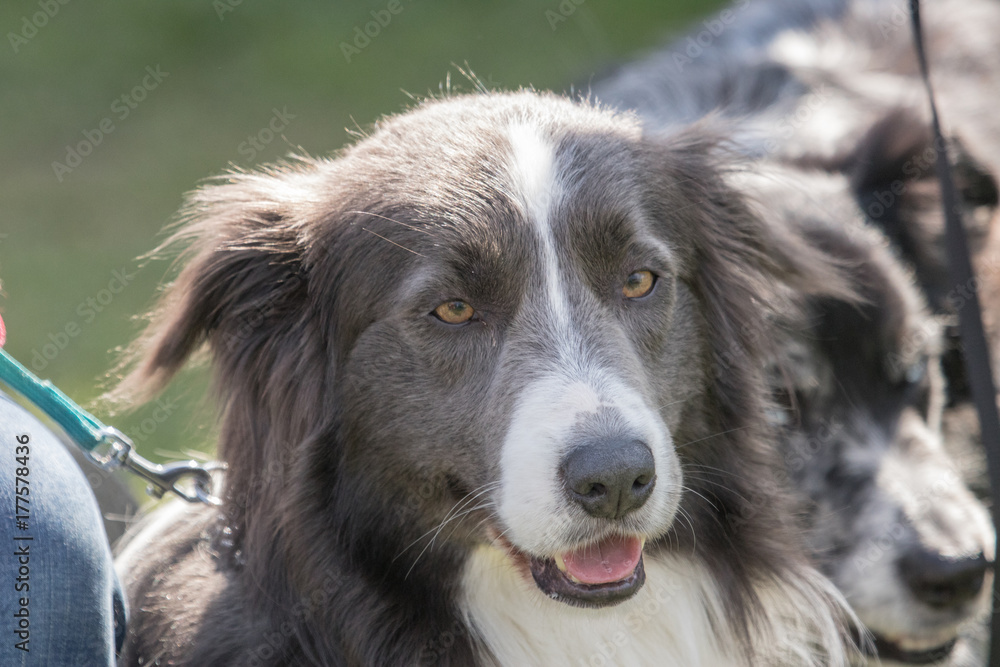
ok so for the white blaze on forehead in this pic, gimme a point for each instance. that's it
(550, 411)
(533, 175)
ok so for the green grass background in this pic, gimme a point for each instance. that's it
(61, 241)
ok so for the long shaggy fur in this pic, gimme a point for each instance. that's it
(356, 431)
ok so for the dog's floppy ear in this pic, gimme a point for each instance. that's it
(245, 292)
(892, 174)
(897, 155)
(242, 285)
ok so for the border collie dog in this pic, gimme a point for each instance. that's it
(488, 397)
(887, 514)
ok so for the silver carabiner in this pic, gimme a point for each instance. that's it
(189, 480)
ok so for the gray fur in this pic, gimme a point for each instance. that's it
(353, 422)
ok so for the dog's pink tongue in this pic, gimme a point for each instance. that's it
(610, 560)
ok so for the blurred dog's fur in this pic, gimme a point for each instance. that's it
(887, 513)
(413, 341)
(831, 90)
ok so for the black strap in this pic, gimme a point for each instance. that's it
(970, 321)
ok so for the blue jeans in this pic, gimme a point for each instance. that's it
(60, 599)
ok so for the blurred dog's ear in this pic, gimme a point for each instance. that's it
(244, 292)
(242, 283)
(892, 175)
(899, 152)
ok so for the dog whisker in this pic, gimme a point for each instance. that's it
(715, 482)
(692, 491)
(391, 241)
(714, 435)
(489, 517)
(393, 220)
(441, 527)
(449, 515)
(679, 400)
(478, 508)
(714, 469)
(684, 514)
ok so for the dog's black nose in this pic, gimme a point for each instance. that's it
(940, 582)
(610, 478)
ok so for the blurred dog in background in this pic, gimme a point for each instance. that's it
(829, 95)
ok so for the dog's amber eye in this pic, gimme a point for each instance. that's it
(454, 312)
(638, 285)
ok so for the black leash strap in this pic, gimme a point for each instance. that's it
(970, 321)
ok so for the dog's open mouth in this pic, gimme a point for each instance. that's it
(893, 651)
(595, 575)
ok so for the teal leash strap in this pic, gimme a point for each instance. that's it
(105, 445)
(85, 429)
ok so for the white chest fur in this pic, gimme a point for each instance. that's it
(666, 623)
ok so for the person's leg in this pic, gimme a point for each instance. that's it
(60, 598)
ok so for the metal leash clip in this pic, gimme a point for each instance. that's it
(189, 480)
(107, 446)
